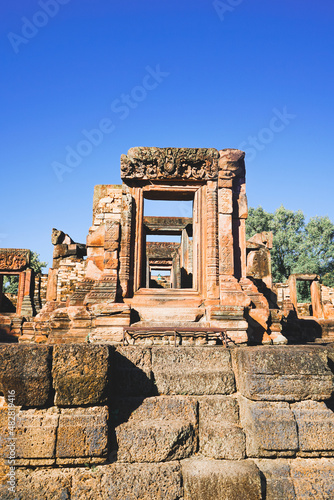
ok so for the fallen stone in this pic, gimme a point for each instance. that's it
(25, 369)
(283, 373)
(192, 370)
(221, 479)
(315, 422)
(270, 429)
(80, 374)
(220, 433)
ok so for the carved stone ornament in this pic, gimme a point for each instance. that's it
(170, 163)
(12, 259)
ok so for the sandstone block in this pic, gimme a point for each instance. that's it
(315, 422)
(35, 433)
(276, 476)
(82, 432)
(270, 428)
(192, 370)
(220, 434)
(26, 370)
(80, 374)
(313, 478)
(283, 373)
(221, 479)
(132, 371)
(159, 429)
(160, 481)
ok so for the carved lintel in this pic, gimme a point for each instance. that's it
(170, 163)
(13, 259)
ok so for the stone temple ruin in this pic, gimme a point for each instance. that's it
(137, 365)
(215, 285)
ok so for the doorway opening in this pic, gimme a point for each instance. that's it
(168, 242)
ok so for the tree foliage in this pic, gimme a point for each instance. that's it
(11, 282)
(298, 247)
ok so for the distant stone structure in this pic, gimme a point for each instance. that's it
(211, 280)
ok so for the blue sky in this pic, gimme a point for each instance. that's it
(247, 74)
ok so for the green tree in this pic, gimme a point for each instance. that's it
(297, 247)
(11, 282)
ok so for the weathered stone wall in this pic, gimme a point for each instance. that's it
(71, 271)
(96, 421)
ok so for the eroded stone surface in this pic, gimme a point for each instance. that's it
(270, 428)
(40, 484)
(315, 423)
(220, 433)
(192, 370)
(283, 373)
(277, 481)
(82, 432)
(159, 429)
(221, 479)
(313, 479)
(128, 481)
(80, 374)
(25, 369)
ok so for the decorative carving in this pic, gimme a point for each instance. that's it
(125, 252)
(225, 201)
(226, 254)
(212, 239)
(170, 163)
(14, 259)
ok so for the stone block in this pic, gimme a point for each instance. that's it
(276, 479)
(35, 433)
(80, 374)
(270, 428)
(220, 434)
(192, 370)
(315, 422)
(128, 481)
(42, 484)
(132, 371)
(221, 479)
(283, 373)
(82, 432)
(313, 478)
(159, 429)
(25, 369)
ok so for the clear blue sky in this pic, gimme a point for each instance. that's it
(196, 78)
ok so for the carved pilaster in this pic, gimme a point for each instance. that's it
(212, 241)
(125, 251)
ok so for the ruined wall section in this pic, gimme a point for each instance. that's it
(181, 423)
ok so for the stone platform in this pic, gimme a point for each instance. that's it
(170, 423)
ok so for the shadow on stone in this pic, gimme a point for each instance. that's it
(131, 382)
